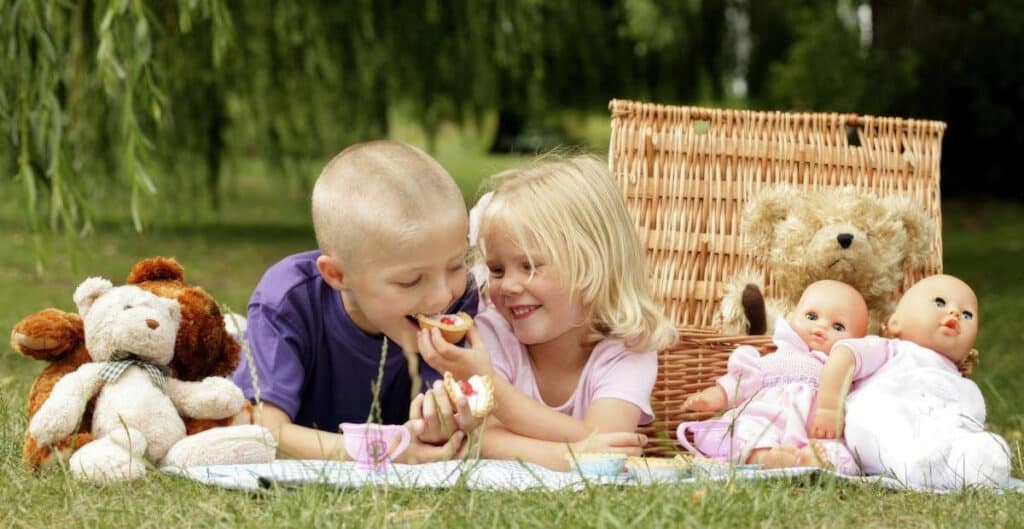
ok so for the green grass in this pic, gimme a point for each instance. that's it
(227, 253)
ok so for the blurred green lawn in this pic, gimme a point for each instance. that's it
(227, 253)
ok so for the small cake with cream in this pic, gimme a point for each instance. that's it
(478, 390)
(453, 326)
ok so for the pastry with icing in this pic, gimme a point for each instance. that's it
(453, 326)
(478, 390)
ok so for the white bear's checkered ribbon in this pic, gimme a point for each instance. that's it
(121, 360)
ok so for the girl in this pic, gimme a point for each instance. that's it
(569, 331)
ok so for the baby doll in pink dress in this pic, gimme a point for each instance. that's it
(772, 398)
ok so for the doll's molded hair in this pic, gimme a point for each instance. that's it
(968, 363)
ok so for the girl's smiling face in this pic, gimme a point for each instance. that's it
(526, 289)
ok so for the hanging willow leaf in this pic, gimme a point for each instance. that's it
(128, 98)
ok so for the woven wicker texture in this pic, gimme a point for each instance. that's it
(686, 174)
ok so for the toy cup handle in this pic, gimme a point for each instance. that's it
(681, 437)
(402, 445)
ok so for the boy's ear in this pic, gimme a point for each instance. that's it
(332, 272)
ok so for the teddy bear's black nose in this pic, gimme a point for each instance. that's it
(845, 239)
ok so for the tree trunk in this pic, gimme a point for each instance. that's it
(510, 126)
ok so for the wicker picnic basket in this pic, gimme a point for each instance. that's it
(686, 173)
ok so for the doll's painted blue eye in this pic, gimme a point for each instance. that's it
(839, 327)
(940, 303)
(813, 316)
(967, 315)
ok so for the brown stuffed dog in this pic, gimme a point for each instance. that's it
(203, 348)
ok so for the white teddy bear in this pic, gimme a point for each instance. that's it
(130, 335)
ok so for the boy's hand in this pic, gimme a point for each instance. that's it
(827, 423)
(711, 399)
(628, 443)
(420, 452)
(434, 408)
(463, 362)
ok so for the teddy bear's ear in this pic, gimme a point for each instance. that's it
(89, 291)
(761, 215)
(156, 269)
(920, 229)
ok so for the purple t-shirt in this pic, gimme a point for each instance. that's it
(312, 361)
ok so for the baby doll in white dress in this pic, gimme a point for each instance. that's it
(911, 414)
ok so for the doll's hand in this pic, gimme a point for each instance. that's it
(827, 423)
(463, 362)
(711, 399)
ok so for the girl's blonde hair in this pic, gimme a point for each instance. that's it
(574, 214)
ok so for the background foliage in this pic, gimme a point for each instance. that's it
(114, 101)
(206, 120)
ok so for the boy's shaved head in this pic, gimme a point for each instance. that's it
(379, 191)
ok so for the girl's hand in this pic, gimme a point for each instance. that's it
(711, 399)
(462, 362)
(628, 443)
(827, 424)
(420, 452)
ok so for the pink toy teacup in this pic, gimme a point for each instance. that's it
(712, 438)
(373, 445)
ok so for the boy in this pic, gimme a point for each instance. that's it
(391, 226)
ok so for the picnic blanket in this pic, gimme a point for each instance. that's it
(480, 474)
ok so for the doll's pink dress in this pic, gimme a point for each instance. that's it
(771, 398)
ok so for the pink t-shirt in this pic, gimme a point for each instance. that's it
(612, 371)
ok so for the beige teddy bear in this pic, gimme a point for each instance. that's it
(130, 334)
(841, 234)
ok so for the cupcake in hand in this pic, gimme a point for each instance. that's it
(478, 390)
(453, 326)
